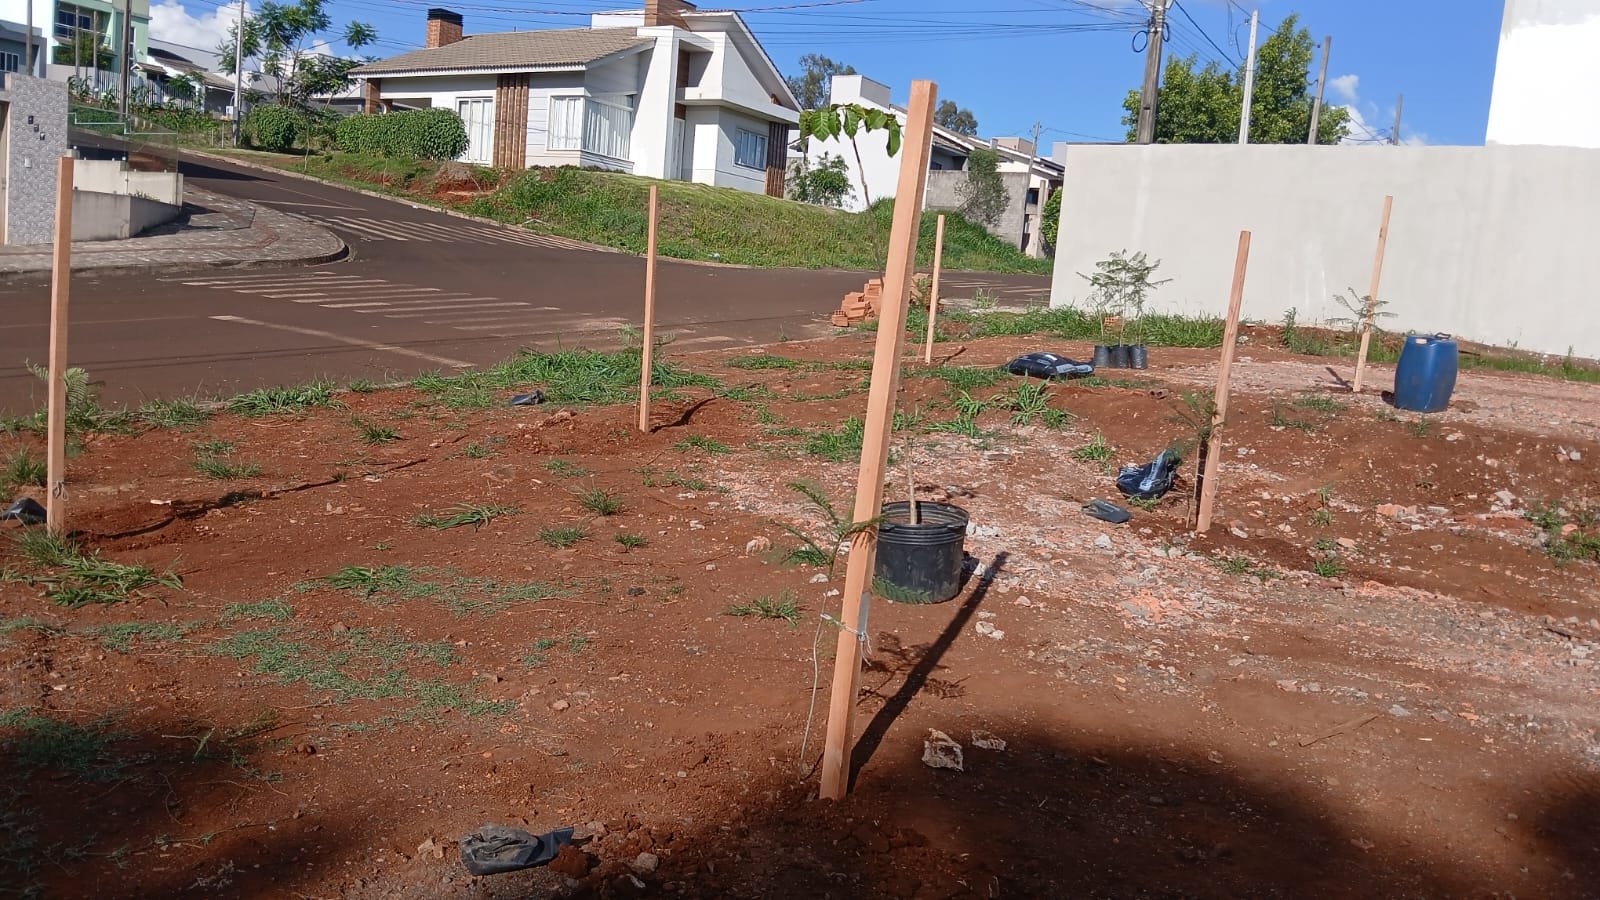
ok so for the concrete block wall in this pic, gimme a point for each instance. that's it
(944, 192)
(1492, 244)
(109, 176)
(30, 194)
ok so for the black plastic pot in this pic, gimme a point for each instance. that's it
(920, 563)
(1102, 357)
(1138, 356)
(1121, 358)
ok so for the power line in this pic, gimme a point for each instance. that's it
(1181, 8)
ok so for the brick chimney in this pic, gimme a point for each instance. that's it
(444, 27)
(666, 12)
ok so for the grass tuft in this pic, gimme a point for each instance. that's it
(374, 434)
(701, 443)
(275, 400)
(562, 536)
(600, 502)
(575, 377)
(275, 610)
(782, 607)
(177, 413)
(476, 515)
(23, 469)
(630, 541)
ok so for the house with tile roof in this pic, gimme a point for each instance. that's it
(668, 91)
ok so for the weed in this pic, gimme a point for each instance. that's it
(78, 580)
(582, 377)
(1329, 566)
(276, 610)
(476, 515)
(476, 451)
(45, 549)
(600, 502)
(1387, 415)
(701, 443)
(1148, 504)
(1320, 404)
(562, 536)
(213, 448)
(23, 469)
(368, 583)
(1096, 451)
(1279, 420)
(120, 637)
(536, 657)
(48, 744)
(765, 361)
(225, 470)
(1322, 517)
(28, 623)
(837, 445)
(1420, 428)
(1234, 565)
(630, 541)
(962, 378)
(374, 434)
(563, 469)
(672, 478)
(361, 386)
(1030, 401)
(783, 607)
(1569, 530)
(275, 400)
(177, 413)
(84, 413)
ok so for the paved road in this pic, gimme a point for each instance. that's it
(422, 290)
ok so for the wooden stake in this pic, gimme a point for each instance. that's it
(647, 355)
(60, 289)
(1372, 296)
(1230, 341)
(914, 154)
(933, 289)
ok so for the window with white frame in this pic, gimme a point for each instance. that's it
(71, 19)
(594, 124)
(10, 62)
(749, 149)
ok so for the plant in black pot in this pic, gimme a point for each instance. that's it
(1122, 284)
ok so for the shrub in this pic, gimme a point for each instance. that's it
(275, 129)
(419, 133)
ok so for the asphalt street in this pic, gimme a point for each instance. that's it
(421, 290)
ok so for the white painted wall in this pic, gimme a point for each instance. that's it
(1547, 74)
(1494, 244)
(652, 145)
(114, 177)
(541, 88)
(728, 173)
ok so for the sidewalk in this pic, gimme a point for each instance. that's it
(215, 231)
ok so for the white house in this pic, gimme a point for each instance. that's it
(1547, 74)
(665, 92)
(1029, 178)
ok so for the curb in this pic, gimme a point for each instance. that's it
(114, 269)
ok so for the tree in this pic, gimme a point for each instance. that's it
(1050, 224)
(284, 37)
(983, 194)
(954, 118)
(1202, 105)
(814, 85)
(826, 184)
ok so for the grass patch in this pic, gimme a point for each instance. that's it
(1030, 402)
(701, 443)
(275, 610)
(476, 451)
(1320, 404)
(476, 515)
(1096, 451)
(178, 413)
(782, 607)
(28, 623)
(23, 469)
(1279, 420)
(600, 502)
(361, 386)
(123, 636)
(839, 444)
(366, 582)
(766, 362)
(1570, 530)
(275, 400)
(73, 579)
(225, 469)
(1322, 518)
(375, 434)
(961, 378)
(46, 744)
(1330, 566)
(573, 377)
(576, 642)
(630, 541)
(562, 468)
(1420, 427)
(654, 477)
(563, 536)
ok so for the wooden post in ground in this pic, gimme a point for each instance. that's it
(1230, 341)
(60, 289)
(875, 441)
(1372, 296)
(933, 288)
(647, 353)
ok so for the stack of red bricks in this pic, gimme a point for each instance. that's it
(861, 305)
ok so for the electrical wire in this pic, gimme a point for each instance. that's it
(1183, 9)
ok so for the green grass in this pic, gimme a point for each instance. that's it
(1322, 517)
(1420, 427)
(570, 377)
(1096, 451)
(476, 451)
(476, 515)
(1329, 566)
(225, 469)
(213, 448)
(783, 607)
(653, 477)
(562, 536)
(177, 413)
(375, 434)
(275, 610)
(361, 386)
(1279, 420)
(1320, 404)
(562, 468)
(274, 400)
(838, 444)
(42, 743)
(73, 579)
(367, 582)
(124, 636)
(1580, 543)
(961, 378)
(1068, 323)
(24, 469)
(630, 541)
(1029, 403)
(600, 502)
(701, 443)
(576, 642)
(1243, 565)
(766, 362)
(28, 623)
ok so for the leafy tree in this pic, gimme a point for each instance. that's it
(283, 36)
(983, 194)
(826, 184)
(1201, 105)
(813, 85)
(1050, 226)
(954, 118)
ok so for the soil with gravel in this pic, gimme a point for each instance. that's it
(337, 694)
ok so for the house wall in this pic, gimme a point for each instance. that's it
(44, 17)
(944, 192)
(1490, 243)
(714, 134)
(1547, 74)
(30, 156)
(541, 87)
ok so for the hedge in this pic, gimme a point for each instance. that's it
(419, 133)
(275, 129)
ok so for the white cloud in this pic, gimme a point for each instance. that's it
(1343, 87)
(170, 22)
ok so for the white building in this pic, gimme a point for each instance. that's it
(1029, 178)
(665, 92)
(1547, 74)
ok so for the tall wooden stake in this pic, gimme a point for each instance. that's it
(647, 354)
(875, 441)
(60, 288)
(1372, 295)
(933, 288)
(1230, 341)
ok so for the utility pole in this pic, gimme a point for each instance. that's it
(1145, 132)
(1249, 81)
(1037, 127)
(27, 50)
(238, 72)
(1394, 136)
(1322, 79)
(125, 55)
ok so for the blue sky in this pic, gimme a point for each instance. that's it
(1063, 63)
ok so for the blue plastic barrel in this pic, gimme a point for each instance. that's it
(1426, 374)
